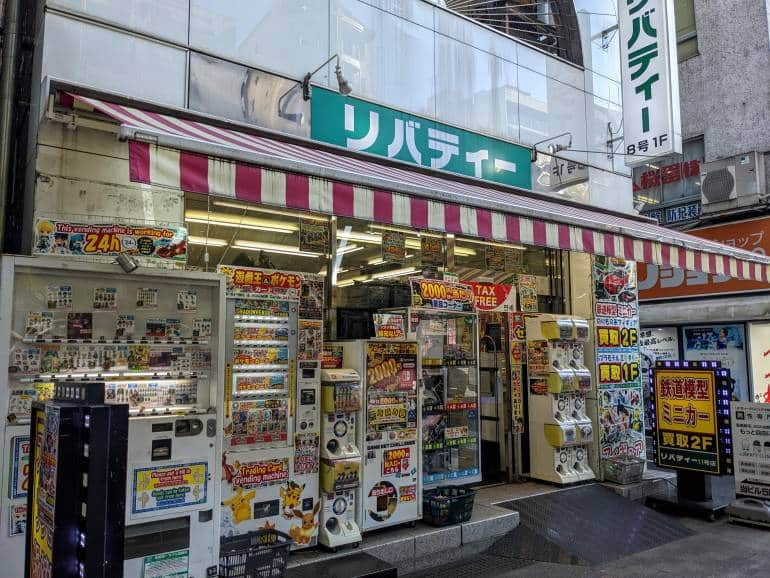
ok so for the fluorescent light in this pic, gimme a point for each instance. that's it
(492, 243)
(350, 281)
(395, 273)
(208, 241)
(406, 231)
(239, 221)
(273, 248)
(263, 209)
(347, 249)
(380, 260)
(371, 238)
(464, 252)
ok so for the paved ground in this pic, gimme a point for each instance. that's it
(717, 549)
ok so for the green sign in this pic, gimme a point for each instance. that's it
(362, 126)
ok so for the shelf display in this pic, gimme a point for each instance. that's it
(388, 430)
(270, 459)
(90, 322)
(560, 430)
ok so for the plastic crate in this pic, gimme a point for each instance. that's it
(260, 554)
(448, 505)
(623, 469)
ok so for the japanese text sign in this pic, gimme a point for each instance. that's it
(691, 416)
(657, 282)
(167, 487)
(751, 440)
(82, 240)
(649, 79)
(494, 297)
(436, 294)
(362, 126)
(245, 281)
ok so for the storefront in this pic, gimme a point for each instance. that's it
(486, 279)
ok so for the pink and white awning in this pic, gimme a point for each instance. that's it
(318, 180)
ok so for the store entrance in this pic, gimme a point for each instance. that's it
(492, 407)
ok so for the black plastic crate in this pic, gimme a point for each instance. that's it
(447, 505)
(260, 554)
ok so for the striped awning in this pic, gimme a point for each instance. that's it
(194, 156)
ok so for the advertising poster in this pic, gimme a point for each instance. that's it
(621, 417)
(527, 293)
(687, 435)
(494, 258)
(44, 475)
(167, 565)
(494, 296)
(725, 344)
(446, 295)
(751, 449)
(249, 282)
(309, 336)
(253, 474)
(657, 343)
(389, 326)
(393, 247)
(168, 487)
(311, 303)
(19, 467)
(306, 453)
(17, 519)
(391, 366)
(431, 251)
(517, 341)
(313, 236)
(63, 238)
(759, 338)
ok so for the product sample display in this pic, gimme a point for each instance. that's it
(270, 453)
(560, 429)
(388, 422)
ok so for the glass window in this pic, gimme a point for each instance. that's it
(670, 179)
(686, 34)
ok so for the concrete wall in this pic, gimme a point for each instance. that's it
(725, 90)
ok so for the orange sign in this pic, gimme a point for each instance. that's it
(657, 282)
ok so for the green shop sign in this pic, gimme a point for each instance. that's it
(362, 126)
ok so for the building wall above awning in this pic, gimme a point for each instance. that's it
(198, 157)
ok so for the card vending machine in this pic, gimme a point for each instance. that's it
(340, 458)
(76, 502)
(271, 441)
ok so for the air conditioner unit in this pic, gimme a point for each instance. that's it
(734, 183)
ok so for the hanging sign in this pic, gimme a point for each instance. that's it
(313, 236)
(751, 440)
(79, 239)
(393, 247)
(249, 282)
(649, 79)
(447, 295)
(692, 416)
(494, 296)
(527, 293)
(431, 251)
(517, 336)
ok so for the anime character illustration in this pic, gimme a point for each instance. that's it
(240, 504)
(290, 498)
(45, 231)
(77, 243)
(304, 534)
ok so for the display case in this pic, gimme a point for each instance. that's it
(272, 399)
(152, 337)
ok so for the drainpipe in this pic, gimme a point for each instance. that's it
(7, 90)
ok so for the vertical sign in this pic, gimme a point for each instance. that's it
(751, 441)
(618, 367)
(649, 78)
(517, 341)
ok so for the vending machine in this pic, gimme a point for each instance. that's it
(270, 456)
(444, 323)
(77, 499)
(340, 458)
(388, 432)
(153, 337)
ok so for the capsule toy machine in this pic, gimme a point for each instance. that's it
(388, 432)
(340, 457)
(271, 441)
(152, 337)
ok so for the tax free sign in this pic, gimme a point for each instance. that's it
(359, 125)
(650, 79)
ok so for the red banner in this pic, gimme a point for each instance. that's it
(494, 296)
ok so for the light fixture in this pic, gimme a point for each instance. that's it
(263, 209)
(406, 231)
(552, 148)
(492, 243)
(371, 238)
(274, 248)
(347, 249)
(380, 260)
(395, 273)
(343, 86)
(127, 263)
(239, 222)
(208, 241)
(464, 252)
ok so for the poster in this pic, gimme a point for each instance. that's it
(393, 247)
(751, 449)
(309, 339)
(254, 474)
(59, 297)
(621, 419)
(17, 518)
(759, 338)
(311, 304)
(657, 343)
(725, 344)
(494, 258)
(249, 282)
(446, 295)
(517, 344)
(19, 480)
(110, 240)
(187, 300)
(167, 565)
(306, 453)
(169, 487)
(689, 433)
(389, 326)
(494, 296)
(44, 476)
(527, 285)
(431, 251)
(314, 236)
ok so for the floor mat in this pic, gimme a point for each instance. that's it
(588, 525)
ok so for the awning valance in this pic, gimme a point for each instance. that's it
(195, 156)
